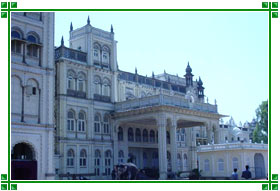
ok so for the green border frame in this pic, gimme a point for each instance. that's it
(9, 184)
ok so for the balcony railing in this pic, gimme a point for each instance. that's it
(231, 146)
(75, 93)
(64, 52)
(160, 99)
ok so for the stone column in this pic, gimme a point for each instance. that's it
(209, 133)
(193, 149)
(173, 145)
(115, 142)
(161, 123)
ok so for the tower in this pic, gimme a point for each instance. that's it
(200, 89)
(189, 76)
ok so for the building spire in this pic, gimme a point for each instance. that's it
(112, 29)
(153, 74)
(71, 27)
(62, 41)
(88, 21)
(135, 70)
(189, 76)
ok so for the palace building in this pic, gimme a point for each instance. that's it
(103, 116)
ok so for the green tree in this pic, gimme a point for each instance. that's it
(261, 131)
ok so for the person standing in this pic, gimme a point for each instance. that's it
(234, 174)
(114, 173)
(246, 174)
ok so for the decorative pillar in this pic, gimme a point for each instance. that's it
(23, 53)
(193, 149)
(173, 145)
(22, 104)
(161, 123)
(39, 106)
(115, 142)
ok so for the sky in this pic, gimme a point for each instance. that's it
(228, 50)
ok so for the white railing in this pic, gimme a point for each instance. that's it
(164, 100)
(231, 146)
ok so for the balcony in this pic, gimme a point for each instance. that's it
(231, 146)
(64, 52)
(158, 100)
(75, 93)
(102, 98)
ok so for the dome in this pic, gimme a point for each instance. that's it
(236, 131)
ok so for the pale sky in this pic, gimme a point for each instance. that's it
(228, 50)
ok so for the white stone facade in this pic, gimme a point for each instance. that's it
(32, 89)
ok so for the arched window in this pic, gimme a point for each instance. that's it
(130, 134)
(96, 52)
(106, 88)
(83, 158)
(97, 123)
(179, 162)
(32, 48)
(182, 134)
(178, 134)
(145, 135)
(152, 136)
(16, 44)
(167, 137)
(71, 80)
(106, 128)
(234, 163)
(16, 95)
(120, 134)
(32, 99)
(16, 34)
(121, 157)
(108, 157)
(32, 38)
(206, 165)
(70, 158)
(97, 157)
(81, 122)
(70, 121)
(81, 82)
(105, 56)
(221, 165)
(97, 85)
(138, 135)
(145, 160)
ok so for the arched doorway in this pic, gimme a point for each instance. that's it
(24, 164)
(259, 165)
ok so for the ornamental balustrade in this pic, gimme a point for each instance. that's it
(158, 100)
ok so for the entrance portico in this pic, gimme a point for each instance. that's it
(165, 120)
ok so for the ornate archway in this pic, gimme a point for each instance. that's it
(24, 164)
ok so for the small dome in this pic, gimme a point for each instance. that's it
(236, 131)
(188, 69)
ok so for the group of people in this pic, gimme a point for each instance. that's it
(129, 171)
(246, 174)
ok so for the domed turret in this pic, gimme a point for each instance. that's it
(189, 76)
(200, 88)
